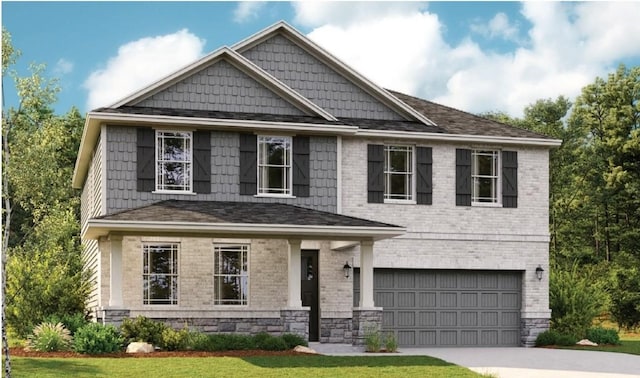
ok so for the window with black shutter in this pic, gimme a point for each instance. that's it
(248, 161)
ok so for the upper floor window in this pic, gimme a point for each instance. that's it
(231, 274)
(485, 171)
(173, 161)
(398, 173)
(274, 165)
(160, 273)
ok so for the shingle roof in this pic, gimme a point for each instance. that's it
(240, 213)
(454, 121)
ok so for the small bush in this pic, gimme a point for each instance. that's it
(95, 338)
(72, 322)
(601, 335)
(553, 337)
(390, 342)
(197, 341)
(221, 342)
(372, 339)
(143, 329)
(49, 337)
(292, 340)
(174, 340)
(272, 343)
(566, 340)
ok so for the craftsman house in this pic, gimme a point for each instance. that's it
(269, 187)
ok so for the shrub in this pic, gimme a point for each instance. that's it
(390, 342)
(272, 343)
(72, 322)
(220, 342)
(95, 338)
(372, 339)
(292, 340)
(552, 337)
(174, 340)
(625, 298)
(49, 337)
(142, 329)
(197, 341)
(566, 340)
(601, 335)
(575, 300)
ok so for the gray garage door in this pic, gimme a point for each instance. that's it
(448, 307)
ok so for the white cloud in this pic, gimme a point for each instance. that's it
(63, 67)
(140, 63)
(403, 48)
(247, 11)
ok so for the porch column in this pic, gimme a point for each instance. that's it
(294, 274)
(115, 270)
(366, 274)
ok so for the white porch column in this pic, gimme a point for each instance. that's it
(115, 271)
(366, 274)
(294, 274)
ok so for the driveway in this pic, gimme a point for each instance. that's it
(519, 362)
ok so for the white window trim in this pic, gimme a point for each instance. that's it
(248, 254)
(176, 274)
(289, 192)
(409, 201)
(175, 191)
(498, 202)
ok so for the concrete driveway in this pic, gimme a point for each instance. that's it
(518, 362)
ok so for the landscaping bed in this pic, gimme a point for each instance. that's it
(20, 352)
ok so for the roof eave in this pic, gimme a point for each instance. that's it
(462, 138)
(96, 228)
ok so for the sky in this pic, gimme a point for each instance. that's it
(475, 56)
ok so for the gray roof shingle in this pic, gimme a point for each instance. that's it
(240, 213)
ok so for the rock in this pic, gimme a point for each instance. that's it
(304, 349)
(586, 342)
(138, 347)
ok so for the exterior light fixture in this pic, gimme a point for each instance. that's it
(539, 272)
(346, 269)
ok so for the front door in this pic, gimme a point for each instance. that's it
(309, 290)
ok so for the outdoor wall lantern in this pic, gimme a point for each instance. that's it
(539, 272)
(346, 269)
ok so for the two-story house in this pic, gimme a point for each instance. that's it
(269, 187)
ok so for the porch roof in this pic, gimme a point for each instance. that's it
(242, 219)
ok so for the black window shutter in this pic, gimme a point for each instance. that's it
(248, 162)
(424, 183)
(146, 162)
(301, 166)
(375, 173)
(463, 177)
(509, 179)
(202, 161)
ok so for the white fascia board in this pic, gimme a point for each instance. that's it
(101, 227)
(325, 56)
(87, 144)
(461, 138)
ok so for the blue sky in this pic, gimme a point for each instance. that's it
(477, 56)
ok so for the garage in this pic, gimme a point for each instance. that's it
(448, 307)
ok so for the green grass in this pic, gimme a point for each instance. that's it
(631, 346)
(263, 367)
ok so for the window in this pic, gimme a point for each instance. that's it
(398, 173)
(173, 161)
(274, 165)
(160, 274)
(485, 168)
(231, 274)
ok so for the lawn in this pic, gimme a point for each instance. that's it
(280, 366)
(631, 346)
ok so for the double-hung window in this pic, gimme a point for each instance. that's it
(485, 171)
(231, 274)
(160, 273)
(174, 161)
(274, 165)
(398, 173)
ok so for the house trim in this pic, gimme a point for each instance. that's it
(463, 138)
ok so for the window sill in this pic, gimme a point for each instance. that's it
(400, 202)
(174, 192)
(485, 204)
(274, 196)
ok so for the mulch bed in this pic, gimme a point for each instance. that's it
(20, 352)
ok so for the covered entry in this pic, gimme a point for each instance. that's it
(449, 307)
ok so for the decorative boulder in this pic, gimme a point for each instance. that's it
(585, 342)
(304, 349)
(139, 348)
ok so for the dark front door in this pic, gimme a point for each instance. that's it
(309, 290)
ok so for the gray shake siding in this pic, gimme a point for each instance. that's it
(316, 81)
(221, 87)
(225, 167)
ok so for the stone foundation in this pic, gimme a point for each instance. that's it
(295, 321)
(111, 316)
(363, 321)
(530, 328)
(336, 330)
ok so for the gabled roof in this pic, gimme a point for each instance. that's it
(272, 220)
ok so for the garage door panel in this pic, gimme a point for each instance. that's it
(449, 308)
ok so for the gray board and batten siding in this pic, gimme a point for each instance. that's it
(220, 87)
(426, 308)
(122, 193)
(316, 81)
